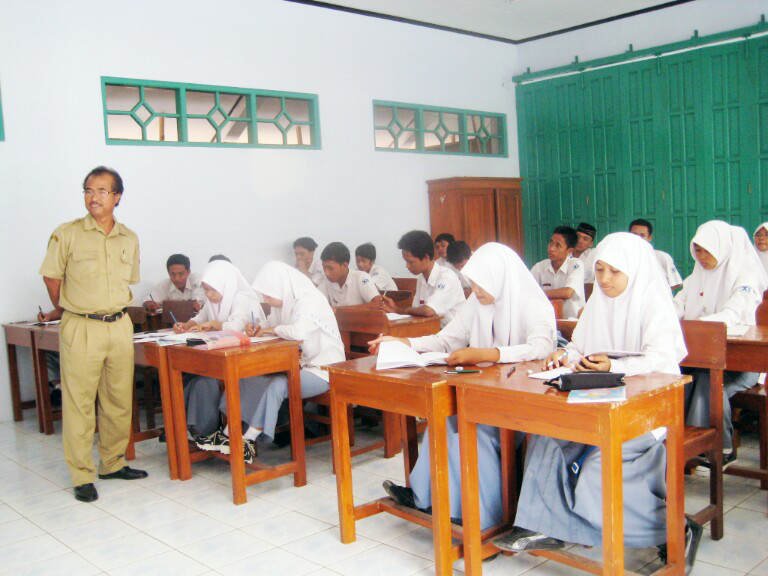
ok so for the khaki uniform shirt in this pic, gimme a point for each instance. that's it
(95, 268)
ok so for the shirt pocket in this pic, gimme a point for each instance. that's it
(84, 264)
(125, 263)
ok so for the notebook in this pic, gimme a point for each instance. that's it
(618, 394)
(394, 354)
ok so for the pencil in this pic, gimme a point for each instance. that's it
(173, 317)
(511, 371)
(253, 320)
(41, 310)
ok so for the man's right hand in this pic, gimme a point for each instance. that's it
(54, 314)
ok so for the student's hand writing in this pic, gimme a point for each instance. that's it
(388, 305)
(209, 326)
(265, 332)
(473, 356)
(373, 345)
(252, 330)
(182, 327)
(150, 306)
(556, 359)
(599, 362)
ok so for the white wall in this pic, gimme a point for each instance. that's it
(644, 31)
(251, 203)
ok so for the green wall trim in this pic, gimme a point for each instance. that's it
(631, 54)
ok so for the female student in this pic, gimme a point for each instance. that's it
(298, 312)
(761, 244)
(506, 319)
(560, 500)
(230, 304)
(726, 285)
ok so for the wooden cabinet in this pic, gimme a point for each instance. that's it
(478, 210)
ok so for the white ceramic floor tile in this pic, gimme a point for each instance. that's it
(94, 532)
(288, 527)
(732, 551)
(72, 564)
(747, 524)
(124, 551)
(382, 560)
(17, 530)
(172, 562)
(504, 565)
(61, 518)
(134, 496)
(151, 515)
(384, 527)
(225, 548)
(417, 542)
(325, 547)
(44, 502)
(271, 563)
(191, 529)
(175, 488)
(704, 569)
(27, 488)
(294, 498)
(8, 514)
(757, 502)
(34, 550)
(761, 569)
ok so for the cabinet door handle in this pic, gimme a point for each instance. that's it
(749, 189)
(663, 195)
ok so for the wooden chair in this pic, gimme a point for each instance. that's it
(566, 328)
(588, 287)
(406, 284)
(755, 400)
(183, 310)
(138, 316)
(706, 350)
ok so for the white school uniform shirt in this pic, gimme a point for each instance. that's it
(520, 323)
(668, 268)
(569, 275)
(442, 292)
(359, 288)
(166, 290)
(315, 270)
(462, 279)
(382, 278)
(587, 258)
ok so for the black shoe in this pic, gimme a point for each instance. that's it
(693, 532)
(522, 540)
(400, 494)
(161, 438)
(728, 459)
(86, 493)
(125, 473)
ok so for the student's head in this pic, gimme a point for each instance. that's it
(178, 270)
(418, 251)
(761, 237)
(458, 253)
(704, 257)
(102, 191)
(585, 234)
(562, 243)
(610, 279)
(641, 227)
(442, 241)
(335, 259)
(211, 294)
(219, 257)
(712, 244)
(623, 261)
(365, 256)
(304, 249)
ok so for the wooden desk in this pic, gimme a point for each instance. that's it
(230, 365)
(520, 403)
(748, 353)
(20, 334)
(422, 393)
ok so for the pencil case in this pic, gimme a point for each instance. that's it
(586, 380)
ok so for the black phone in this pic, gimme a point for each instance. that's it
(195, 341)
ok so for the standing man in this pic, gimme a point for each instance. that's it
(87, 270)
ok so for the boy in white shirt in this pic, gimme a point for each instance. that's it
(181, 284)
(438, 290)
(644, 229)
(304, 251)
(457, 256)
(365, 258)
(584, 250)
(345, 287)
(562, 275)
(442, 241)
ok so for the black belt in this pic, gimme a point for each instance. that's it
(104, 317)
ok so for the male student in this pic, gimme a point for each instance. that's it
(365, 258)
(442, 241)
(561, 275)
(644, 229)
(304, 251)
(438, 290)
(457, 255)
(584, 250)
(345, 287)
(181, 284)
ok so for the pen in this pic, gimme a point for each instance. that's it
(153, 300)
(253, 320)
(511, 371)
(173, 317)
(41, 310)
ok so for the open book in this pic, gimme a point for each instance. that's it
(397, 355)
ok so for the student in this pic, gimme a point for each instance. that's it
(304, 251)
(562, 275)
(181, 284)
(219, 257)
(457, 255)
(584, 250)
(365, 258)
(726, 285)
(561, 496)
(230, 305)
(442, 241)
(345, 287)
(438, 290)
(300, 313)
(644, 229)
(761, 244)
(506, 319)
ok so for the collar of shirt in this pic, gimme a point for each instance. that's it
(563, 267)
(90, 224)
(432, 280)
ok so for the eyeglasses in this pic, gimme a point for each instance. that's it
(101, 193)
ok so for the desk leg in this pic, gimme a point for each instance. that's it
(179, 421)
(675, 489)
(470, 505)
(236, 460)
(439, 480)
(410, 445)
(298, 451)
(509, 490)
(613, 502)
(168, 422)
(341, 457)
(13, 374)
(43, 393)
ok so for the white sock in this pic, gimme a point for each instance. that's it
(226, 431)
(252, 433)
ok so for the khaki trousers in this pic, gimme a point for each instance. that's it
(96, 363)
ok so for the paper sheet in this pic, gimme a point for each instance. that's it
(549, 374)
(392, 316)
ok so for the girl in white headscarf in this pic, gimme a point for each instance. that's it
(630, 310)
(508, 318)
(230, 304)
(761, 244)
(298, 312)
(726, 285)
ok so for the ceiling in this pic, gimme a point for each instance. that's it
(511, 21)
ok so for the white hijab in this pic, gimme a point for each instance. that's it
(228, 281)
(762, 255)
(499, 271)
(737, 265)
(643, 313)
